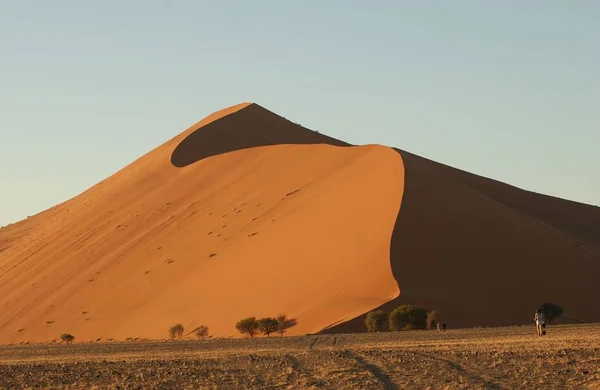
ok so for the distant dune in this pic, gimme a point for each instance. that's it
(248, 214)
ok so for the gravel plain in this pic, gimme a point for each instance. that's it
(568, 357)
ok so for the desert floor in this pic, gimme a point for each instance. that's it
(568, 357)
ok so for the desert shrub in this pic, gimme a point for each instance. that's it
(283, 323)
(419, 317)
(432, 319)
(551, 311)
(399, 318)
(408, 317)
(247, 326)
(410, 327)
(281, 320)
(375, 320)
(176, 331)
(67, 338)
(267, 325)
(202, 332)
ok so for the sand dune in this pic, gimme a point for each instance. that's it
(484, 253)
(246, 213)
(303, 230)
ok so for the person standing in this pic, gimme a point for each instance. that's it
(539, 321)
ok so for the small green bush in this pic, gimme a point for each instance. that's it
(282, 324)
(247, 326)
(202, 332)
(408, 317)
(399, 318)
(267, 325)
(176, 331)
(67, 338)
(419, 317)
(432, 319)
(376, 320)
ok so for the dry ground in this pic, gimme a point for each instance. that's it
(568, 357)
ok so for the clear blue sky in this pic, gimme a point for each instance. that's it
(506, 89)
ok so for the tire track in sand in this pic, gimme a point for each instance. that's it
(477, 375)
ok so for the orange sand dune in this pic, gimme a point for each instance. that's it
(484, 253)
(246, 213)
(303, 230)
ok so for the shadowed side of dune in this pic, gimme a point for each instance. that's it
(580, 220)
(251, 126)
(478, 261)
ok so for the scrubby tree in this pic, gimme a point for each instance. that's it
(432, 319)
(267, 325)
(67, 338)
(247, 325)
(202, 332)
(551, 311)
(176, 331)
(418, 318)
(282, 324)
(407, 317)
(375, 320)
(399, 318)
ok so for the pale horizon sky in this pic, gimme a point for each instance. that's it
(508, 90)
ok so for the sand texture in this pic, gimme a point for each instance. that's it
(209, 236)
(248, 214)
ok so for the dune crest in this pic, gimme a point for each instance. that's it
(248, 214)
(298, 229)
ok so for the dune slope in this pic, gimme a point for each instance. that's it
(581, 221)
(493, 262)
(239, 230)
(246, 213)
(483, 253)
